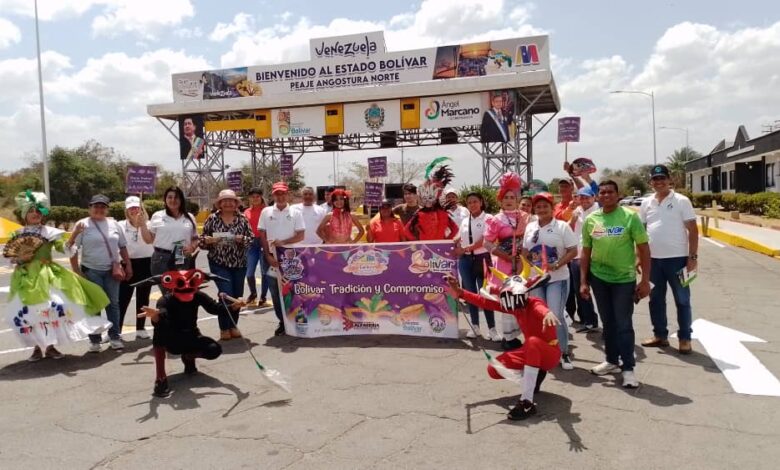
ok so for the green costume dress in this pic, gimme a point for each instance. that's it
(48, 304)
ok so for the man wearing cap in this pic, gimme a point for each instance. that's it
(587, 205)
(410, 206)
(385, 227)
(312, 215)
(255, 254)
(279, 225)
(674, 244)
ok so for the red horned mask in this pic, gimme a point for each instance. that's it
(183, 284)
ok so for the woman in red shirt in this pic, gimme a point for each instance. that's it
(385, 227)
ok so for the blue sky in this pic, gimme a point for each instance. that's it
(712, 68)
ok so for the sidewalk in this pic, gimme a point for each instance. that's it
(759, 239)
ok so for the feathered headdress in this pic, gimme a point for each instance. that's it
(437, 177)
(509, 181)
(27, 200)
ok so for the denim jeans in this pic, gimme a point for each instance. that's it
(554, 295)
(141, 271)
(111, 287)
(254, 257)
(616, 306)
(584, 306)
(663, 271)
(471, 278)
(234, 287)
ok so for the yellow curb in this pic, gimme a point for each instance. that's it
(742, 242)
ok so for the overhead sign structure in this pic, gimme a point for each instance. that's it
(360, 61)
(298, 122)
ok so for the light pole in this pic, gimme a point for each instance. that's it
(652, 107)
(684, 129)
(43, 117)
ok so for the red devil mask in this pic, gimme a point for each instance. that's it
(183, 284)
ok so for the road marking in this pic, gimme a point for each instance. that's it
(741, 368)
(28, 348)
(718, 244)
(5, 289)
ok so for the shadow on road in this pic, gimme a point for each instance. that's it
(289, 344)
(184, 396)
(552, 407)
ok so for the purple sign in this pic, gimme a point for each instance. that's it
(235, 181)
(368, 289)
(569, 129)
(374, 193)
(141, 179)
(377, 167)
(286, 166)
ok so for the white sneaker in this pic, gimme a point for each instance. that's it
(629, 379)
(470, 334)
(566, 362)
(605, 368)
(142, 334)
(94, 347)
(116, 344)
(494, 336)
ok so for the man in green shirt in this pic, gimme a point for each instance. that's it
(611, 239)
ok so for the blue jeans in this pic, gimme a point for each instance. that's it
(253, 257)
(584, 306)
(234, 287)
(663, 271)
(554, 295)
(111, 287)
(472, 275)
(616, 306)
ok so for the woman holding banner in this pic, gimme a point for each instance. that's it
(336, 227)
(504, 239)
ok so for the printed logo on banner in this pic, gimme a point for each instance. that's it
(359, 325)
(432, 111)
(527, 54)
(374, 117)
(291, 265)
(449, 109)
(437, 264)
(412, 326)
(367, 263)
(438, 324)
(347, 49)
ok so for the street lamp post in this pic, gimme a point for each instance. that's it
(652, 107)
(684, 129)
(43, 117)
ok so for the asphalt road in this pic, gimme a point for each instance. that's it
(397, 402)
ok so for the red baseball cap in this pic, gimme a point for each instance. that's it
(543, 196)
(280, 187)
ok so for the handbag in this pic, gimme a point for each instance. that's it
(117, 271)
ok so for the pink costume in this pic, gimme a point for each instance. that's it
(340, 227)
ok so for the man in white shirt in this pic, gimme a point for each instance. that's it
(587, 312)
(457, 212)
(312, 216)
(326, 205)
(279, 225)
(674, 244)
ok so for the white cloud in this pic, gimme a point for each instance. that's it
(9, 33)
(242, 23)
(50, 9)
(146, 18)
(21, 76)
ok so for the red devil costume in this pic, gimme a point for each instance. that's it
(175, 323)
(432, 221)
(529, 364)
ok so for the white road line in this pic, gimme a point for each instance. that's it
(718, 244)
(5, 289)
(10, 351)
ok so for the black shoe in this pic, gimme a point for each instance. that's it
(279, 331)
(539, 380)
(522, 410)
(189, 365)
(161, 388)
(252, 297)
(511, 344)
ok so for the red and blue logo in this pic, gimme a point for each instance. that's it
(527, 54)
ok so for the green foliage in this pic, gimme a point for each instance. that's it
(772, 208)
(630, 178)
(676, 164)
(755, 204)
(489, 194)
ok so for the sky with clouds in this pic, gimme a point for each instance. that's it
(712, 66)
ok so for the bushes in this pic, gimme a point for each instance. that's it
(489, 194)
(755, 204)
(66, 215)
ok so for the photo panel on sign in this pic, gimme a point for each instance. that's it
(192, 143)
(497, 123)
(298, 122)
(372, 116)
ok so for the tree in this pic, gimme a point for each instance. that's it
(630, 178)
(676, 164)
(266, 176)
(358, 174)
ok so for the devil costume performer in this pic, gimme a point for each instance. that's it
(175, 323)
(540, 353)
(505, 232)
(432, 221)
(48, 305)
